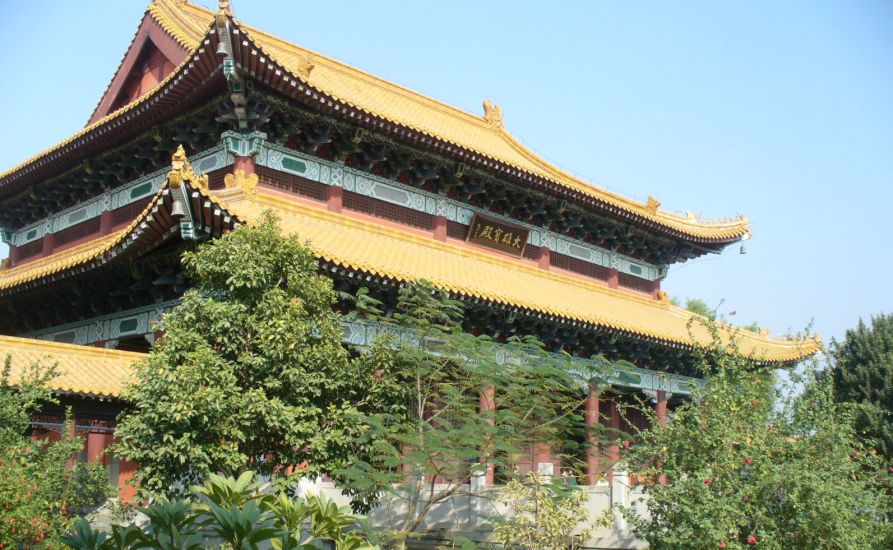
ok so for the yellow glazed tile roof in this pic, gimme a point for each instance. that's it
(399, 105)
(83, 370)
(405, 256)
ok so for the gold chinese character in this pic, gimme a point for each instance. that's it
(517, 243)
(486, 233)
(507, 238)
(496, 235)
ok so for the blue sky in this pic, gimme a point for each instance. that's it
(782, 111)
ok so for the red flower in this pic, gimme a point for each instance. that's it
(751, 540)
(708, 481)
(754, 403)
(627, 444)
(722, 544)
(858, 454)
(747, 460)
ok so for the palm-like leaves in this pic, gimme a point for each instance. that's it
(237, 511)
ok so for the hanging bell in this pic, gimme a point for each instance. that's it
(221, 49)
(742, 250)
(177, 211)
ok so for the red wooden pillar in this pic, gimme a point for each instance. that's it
(542, 454)
(592, 420)
(544, 260)
(13, 255)
(660, 407)
(655, 289)
(613, 278)
(487, 406)
(47, 244)
(440, 228)
(126, 471)
(614, 423)
(246, 164)
(97, 443)
(105, 222)
(334, 198)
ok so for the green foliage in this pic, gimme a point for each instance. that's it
(426, 454)
(696, 305)
(39, 494)
(544, 515)
(747, 464)
(863, 374)
(251, 373)
(240, 513)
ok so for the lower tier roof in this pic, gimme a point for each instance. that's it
(83, 370)
(369, 247)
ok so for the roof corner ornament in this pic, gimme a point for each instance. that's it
(663, 297)
(492, 114)
(305, 66)
(181, 170)
(652, 205)
(248, 184)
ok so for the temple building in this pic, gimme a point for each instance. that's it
(208, 122)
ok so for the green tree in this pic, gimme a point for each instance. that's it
(745, 464)
(863, 373)
(427, 456)
(696, 305)
(544, 514)
(242, 513)
(40, 491)
(250, 373)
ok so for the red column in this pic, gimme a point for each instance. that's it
(487, 407)
(544, 259)
(613, 278)
(592, 420)
(334, 198)
(13, 255)
(440, 228)
(660, 408)
(246, 164)
(97, 442)
(47, 245)
(613, 448)
(126, 471)
(105, 222)
(655, 289)
(542, 454)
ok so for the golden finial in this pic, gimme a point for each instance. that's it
(652, 204)
(492, 114)
(181, 170)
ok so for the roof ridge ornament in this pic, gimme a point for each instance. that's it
(652, 205)
(181, 170)
(224, 6)
(305, 66)
(492, 114)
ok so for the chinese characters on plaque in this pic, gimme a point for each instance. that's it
(497, 234)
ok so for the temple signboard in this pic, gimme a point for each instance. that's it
(497, 234)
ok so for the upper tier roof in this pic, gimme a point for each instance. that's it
(485, 136)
